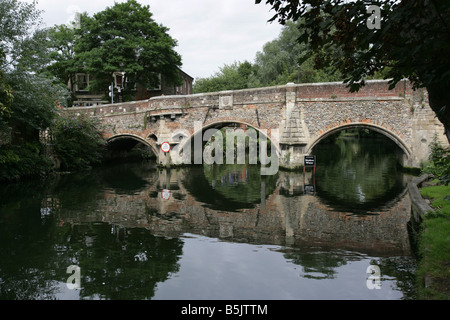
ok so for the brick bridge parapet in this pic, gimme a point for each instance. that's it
(295, 117)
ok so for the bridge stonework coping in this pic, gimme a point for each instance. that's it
(295, 117)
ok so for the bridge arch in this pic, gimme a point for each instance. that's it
(128, 140)
(222, 124)
(361, 125)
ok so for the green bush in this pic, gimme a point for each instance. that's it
(434, 241)
(434, 245)
(23, 161)
(77, 141)
(439, 162)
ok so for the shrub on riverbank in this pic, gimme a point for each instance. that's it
(434, 242)
(434, 246)
(22, 161)
(77, 142)
(438, 162)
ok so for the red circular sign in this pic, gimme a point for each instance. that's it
(165, 147)
(165, 194)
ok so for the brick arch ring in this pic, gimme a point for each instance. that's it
(377, 128)
(134, 137)
(222, 123)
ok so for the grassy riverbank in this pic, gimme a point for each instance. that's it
(434, 245)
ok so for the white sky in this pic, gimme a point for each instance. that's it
(210, 33)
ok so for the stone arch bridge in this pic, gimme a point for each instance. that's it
(295, 117)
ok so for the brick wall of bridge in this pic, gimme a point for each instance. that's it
(296, 117)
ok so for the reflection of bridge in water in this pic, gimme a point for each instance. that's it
(167, 206)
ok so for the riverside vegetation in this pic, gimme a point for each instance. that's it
(434, 242)
(72, 144)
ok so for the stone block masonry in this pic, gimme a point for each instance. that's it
(295, 117)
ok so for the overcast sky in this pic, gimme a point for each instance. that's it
(210, 33)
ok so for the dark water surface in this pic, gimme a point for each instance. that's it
(219, 232)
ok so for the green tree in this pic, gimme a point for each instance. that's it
(280, 61)
(230, 77)
(77, 141)
(412, 41)
(438, 163)
(277, 63)
(35, 96)
(17, 21)
(63, 63)
(29, 99)
(6, 96)
(35, 104)
(125, 38)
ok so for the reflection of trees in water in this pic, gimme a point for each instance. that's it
(80, 189)
(323, 264)
(403, 270)
(37, 245)
(127, 179)
(228, 187)
(240, 182)
(317, 264)
(26, 254)
(357, 173)
(119, 263)
(79, 192)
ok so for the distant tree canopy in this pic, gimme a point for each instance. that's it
(230, 77)
(277, 64)
(125, 38)
(62, 62)
(411, 40)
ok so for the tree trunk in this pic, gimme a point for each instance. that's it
(439, 99)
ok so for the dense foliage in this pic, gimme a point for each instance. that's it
(28, 99)
(60, 59)
(26, 160)
(77, 141)
(125, 38)
(32, 109)
(6, 94)
(230, 77)
(439, 162)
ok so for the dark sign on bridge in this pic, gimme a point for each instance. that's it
(310, 161)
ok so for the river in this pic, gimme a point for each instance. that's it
(133, 231)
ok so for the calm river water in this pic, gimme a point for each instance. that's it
(132, 231)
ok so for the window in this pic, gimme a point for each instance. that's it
(159, 86)
(82, 82)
